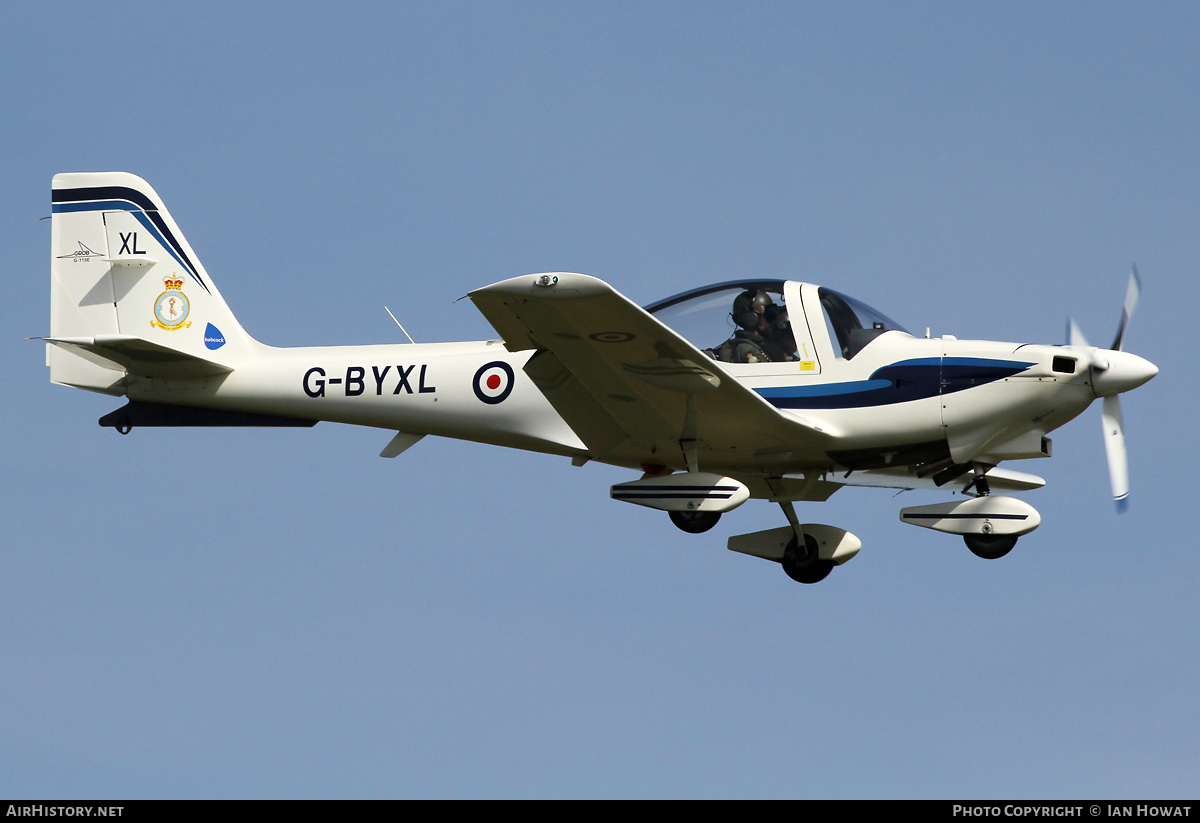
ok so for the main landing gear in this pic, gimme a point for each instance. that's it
(989, 524)
(987, 545)
(802, 559)
(807, 552)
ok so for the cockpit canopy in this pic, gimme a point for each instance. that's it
(853, 323)
(750, 321)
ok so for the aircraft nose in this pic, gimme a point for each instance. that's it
(1114, 372)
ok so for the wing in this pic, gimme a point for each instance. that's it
(633, 389)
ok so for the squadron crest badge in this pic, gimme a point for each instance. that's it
(172, 306)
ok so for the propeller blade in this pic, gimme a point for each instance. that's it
(1132, 293)
(1114, 446)
(1075, 334)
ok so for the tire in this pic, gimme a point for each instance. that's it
(807, 566)
(695, 522)
(990, 546)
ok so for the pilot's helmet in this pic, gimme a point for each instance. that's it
(748, 305)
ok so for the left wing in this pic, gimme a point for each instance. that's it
(633, 389)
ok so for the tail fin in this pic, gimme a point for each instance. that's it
(128, 294)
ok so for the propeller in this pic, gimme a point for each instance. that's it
(1132, 292)
(1114, 447)
(1113, 372)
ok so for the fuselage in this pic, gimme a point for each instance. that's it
(900, 400)
(428, 388)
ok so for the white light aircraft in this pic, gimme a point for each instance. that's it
(761, 388)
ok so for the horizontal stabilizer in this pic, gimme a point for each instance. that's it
(140, 356)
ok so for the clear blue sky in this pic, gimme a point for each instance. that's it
(245, 613)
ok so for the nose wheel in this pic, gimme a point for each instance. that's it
(805, 566)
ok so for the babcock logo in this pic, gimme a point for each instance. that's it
(213, 338)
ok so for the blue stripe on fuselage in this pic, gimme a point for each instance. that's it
(901, 382)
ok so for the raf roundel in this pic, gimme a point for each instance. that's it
(493, 382)
(612, 337)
